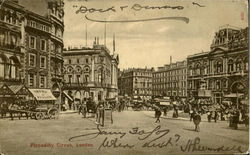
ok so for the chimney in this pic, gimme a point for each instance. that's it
(97, 40)
(170, 59)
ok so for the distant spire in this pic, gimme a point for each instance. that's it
(105, 33)
(113, 44)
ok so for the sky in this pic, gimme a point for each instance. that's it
(151, 43)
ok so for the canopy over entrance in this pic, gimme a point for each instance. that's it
(42, 94)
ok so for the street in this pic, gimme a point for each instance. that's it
(132, 132)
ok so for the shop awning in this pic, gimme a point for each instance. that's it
(233, 95)
(42, 94)
(70, 98)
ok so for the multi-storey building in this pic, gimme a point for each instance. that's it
(31, 44)
(11, 43)
(170, 80)
(90, 72)
(223, 71)
(136, 83)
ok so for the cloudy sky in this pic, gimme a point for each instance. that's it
(152, 43)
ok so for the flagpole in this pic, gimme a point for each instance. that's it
(105, 33)
(86, 34)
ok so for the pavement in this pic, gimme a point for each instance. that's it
(20, 137)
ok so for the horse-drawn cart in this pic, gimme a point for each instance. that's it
(39, 105)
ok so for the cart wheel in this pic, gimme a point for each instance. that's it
(53, 113)
(39, 115)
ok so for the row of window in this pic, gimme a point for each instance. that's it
(33, 43)
(232, 66)
(9, 38)
(10, 70)
(214, 85)
(169, 73)
(32, 61)
(33, 83)
(168, 79)
(169, 93)
(38, 25)
(142, 74)
(170, 85)
(10, 16)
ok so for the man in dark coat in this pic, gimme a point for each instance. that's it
(158, 115)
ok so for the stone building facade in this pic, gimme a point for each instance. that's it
(223, 71)
(90, 72)
(171, 80)
(31, 44)
(136, 82)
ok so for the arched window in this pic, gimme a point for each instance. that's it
(205, 69)
(100, 75)
(86, 69)
(239, 64)
(219, 66)
(230, 66)
(13, 68)
(246, 64)
(78, 69)
(70, 69)
(197, 69)
(2, 67)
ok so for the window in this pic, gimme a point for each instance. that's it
(70, 78)
(218, 86)
(78, 61)
(78, 69)
(31, 80)
(43, 45)
(2, 67)
(230, 66)
(238, 65)
(53, 48)
(78, 78)
(42, 81)
(13, 69)
(33, 24)
(69, 61)
(70, 69)
(246, 64)
(86, 78)
(219, 67)
(32, 60)
(87, 60)
(32, 42)
(42, 62)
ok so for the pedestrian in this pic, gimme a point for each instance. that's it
(215, 116)
(197, 120)
(209, 115)
(158, 115)
(191, 113)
